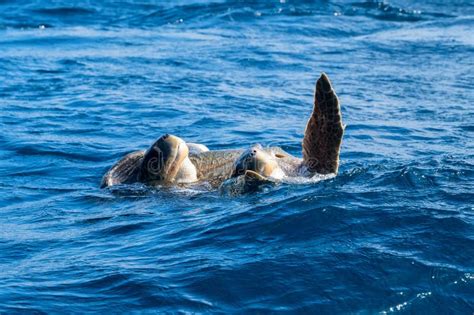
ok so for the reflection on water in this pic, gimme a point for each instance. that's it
(83, 83)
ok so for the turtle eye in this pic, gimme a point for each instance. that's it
(278, 155)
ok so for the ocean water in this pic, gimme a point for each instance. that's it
(82, 83)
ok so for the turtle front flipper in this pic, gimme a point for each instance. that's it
(324, 130)
(251, 175)
(249, 182)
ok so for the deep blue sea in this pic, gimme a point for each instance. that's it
(83, 83)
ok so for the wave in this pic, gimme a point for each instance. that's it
(207, 13)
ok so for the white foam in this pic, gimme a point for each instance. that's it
(300, 180)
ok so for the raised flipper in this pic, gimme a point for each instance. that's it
(324, 130)
(125, 171)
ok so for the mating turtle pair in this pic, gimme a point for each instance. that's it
(170, 160)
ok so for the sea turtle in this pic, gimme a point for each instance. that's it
(170, 160)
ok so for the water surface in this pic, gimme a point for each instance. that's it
(82, 83)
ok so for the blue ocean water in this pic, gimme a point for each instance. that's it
(82, 83)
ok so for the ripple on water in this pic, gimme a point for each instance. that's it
(84, 84)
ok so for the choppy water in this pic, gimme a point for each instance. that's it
(83, 83)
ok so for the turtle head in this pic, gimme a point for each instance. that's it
(257, 161)
(163, 160)
(253, 170)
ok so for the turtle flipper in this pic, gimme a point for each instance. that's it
(125, 171)
(255, 177)
(324, 130)
(249, 182)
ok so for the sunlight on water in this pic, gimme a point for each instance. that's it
(305, 180)
(82, 83)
